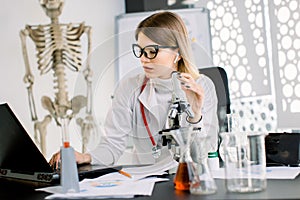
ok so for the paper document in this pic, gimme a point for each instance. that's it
(282, 172)
(116, 185)
(272, 173)
(159, 168)
(108, 187)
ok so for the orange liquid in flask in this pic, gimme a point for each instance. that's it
(181, 179)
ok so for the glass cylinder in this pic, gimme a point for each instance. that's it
(245, 161)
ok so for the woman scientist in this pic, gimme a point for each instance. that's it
(141, 103)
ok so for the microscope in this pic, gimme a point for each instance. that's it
(179, 105)
(187, 145)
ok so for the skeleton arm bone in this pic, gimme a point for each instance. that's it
(28, 78)
(87, 125)
(88, 72)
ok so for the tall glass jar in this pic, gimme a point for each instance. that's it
(245, 161)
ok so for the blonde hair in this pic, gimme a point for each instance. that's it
(168, 28)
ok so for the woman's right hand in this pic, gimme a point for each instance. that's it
(55, 160)
(81, 158)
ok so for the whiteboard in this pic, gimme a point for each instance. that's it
(196, 21)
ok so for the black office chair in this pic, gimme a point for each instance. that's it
(219, 76)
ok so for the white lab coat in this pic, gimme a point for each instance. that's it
(125, 119)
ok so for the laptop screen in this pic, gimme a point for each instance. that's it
(17, 150)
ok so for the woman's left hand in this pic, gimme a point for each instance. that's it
(194, 94)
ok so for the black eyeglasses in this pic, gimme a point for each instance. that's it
(149, 51)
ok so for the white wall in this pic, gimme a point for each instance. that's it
(14, 15)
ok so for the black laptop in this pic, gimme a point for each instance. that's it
(22, 161)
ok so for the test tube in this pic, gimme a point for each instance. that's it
(65, 132)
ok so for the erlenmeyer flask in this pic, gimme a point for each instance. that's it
(181, 179)
(193, 173)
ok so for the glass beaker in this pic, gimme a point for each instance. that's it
(201, 180)
(245, 161)
(193, 166)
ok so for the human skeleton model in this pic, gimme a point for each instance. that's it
(58, 47)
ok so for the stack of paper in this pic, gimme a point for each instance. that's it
(116, 185)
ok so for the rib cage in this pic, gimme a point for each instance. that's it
(57, 37)
(58, 46)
